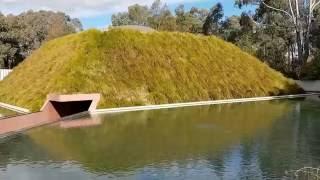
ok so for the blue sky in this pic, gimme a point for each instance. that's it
(97, 13)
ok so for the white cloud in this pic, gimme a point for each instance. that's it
(76, 8)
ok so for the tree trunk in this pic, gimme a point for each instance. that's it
(300, 44)
(292, 57)
(6, 63)
(307, 46)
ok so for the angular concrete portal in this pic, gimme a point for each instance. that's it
(66, 105)
(54, 109)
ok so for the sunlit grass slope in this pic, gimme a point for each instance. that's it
(132, 68)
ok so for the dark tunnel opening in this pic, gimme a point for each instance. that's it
(70, 108)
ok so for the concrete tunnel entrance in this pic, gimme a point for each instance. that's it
(70, 108)
(54, 109)
(67, 105)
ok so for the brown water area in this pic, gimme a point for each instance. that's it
(55, 108)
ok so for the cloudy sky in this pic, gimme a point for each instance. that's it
(97, 13)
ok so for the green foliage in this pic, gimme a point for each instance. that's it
(120, 19)
(159, 17)
(133, 68)
(311, 71)
(290, 30)
(20, 35)
(138, 14)
(191, 21)
(231, 29)
(211, 25)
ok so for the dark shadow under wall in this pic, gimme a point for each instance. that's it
(69, 108)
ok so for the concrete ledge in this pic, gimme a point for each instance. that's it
(310, 86)
(200, 103)
(14, 108)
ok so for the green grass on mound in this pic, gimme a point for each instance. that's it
(132, 68)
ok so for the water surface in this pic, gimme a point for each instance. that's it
(261, 140)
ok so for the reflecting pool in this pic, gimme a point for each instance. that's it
(261, 140)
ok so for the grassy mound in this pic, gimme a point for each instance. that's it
(132, 68)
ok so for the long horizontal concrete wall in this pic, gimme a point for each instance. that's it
(201, 103)
(310, 86)
(166, 106)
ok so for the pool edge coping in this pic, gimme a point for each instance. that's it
(167, 106)
(14, 108)
(199, 103)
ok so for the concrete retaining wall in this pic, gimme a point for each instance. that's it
(4, 73)
(310, 86)
(201, 103)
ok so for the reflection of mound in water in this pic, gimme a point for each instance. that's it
(139, 138)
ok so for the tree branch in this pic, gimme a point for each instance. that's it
(292, 13)
(257, 23)
(277, 9)
(297, 10)
(315, 5)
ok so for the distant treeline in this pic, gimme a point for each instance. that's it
(159, 17)
(20, 35)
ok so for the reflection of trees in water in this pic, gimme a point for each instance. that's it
(294, 142)
(136, 139)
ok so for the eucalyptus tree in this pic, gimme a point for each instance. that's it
(121, 18)
(138, 14)
(157, 16)
(299, 14)
(190, 21)
(199, 16)
(161, 17)
(213, 20)
(20, 35)
(231, 29)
